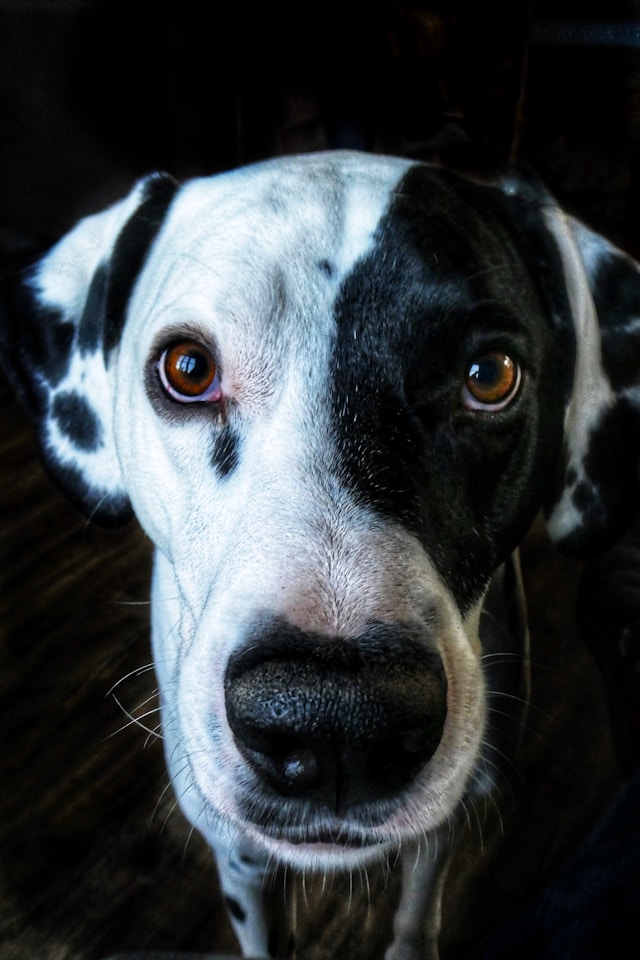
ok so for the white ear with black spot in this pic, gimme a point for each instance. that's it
(60, 323)
(599, 496)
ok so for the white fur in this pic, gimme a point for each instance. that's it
(592, 394)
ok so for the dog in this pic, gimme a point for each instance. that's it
(336, 390)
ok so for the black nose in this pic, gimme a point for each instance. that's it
(336, 721)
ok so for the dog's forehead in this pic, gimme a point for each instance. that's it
(303, 214)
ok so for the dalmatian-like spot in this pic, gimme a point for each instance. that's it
(235, 909)
(327, 268)
(131, 250)
(226, 451)
(90, 327)
(77, 421)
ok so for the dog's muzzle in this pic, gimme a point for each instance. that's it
(336, 722)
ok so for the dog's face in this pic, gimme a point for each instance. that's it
(335, 390)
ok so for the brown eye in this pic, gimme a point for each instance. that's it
(188, 372)
(491, 382)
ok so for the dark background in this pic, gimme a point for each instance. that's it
(94, 93)
(94, 858)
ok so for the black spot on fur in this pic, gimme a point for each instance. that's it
(616, 293)
(77, 420)
(35, 341)
(327, 268)
(49, 348)
(90, 327)
(609, 502)
(130, 252)
(226, 452)
(235, 909)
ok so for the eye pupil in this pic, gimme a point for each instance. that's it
(487, 373)
(191, 366)
(186, 364)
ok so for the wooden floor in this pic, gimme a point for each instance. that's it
(94, 857)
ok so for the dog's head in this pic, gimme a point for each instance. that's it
(335, 390)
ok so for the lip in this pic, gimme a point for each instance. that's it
(326, 840)
(329, 840)
(324, 852)
(320, 851)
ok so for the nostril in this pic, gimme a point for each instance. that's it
(419, 739)
(393, 760)
(290, 766)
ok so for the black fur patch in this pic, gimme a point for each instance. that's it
(226, 452)
(235, 909)
(91, 323)
(446, 277)
(130, 252)
(77, 420)
(616, 293)
(610, 464)
(35, 341)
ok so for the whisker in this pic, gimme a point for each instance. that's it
(137, 672)
(172, 810)
(143, 703)
(508, 655)
(466, 814)
(368, 887)
(135, 720)
(93, 513)
(304, 890)
(189, 838)
(153, 732)
(168, 786)
(490, 798)
(155, 735)
(129, 603)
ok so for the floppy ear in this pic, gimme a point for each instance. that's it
(60, 322)
(599, 496)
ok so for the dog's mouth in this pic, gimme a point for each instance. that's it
(336, 838)
(300, 833)
(322, 846)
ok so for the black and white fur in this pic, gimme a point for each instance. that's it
(329, 529)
